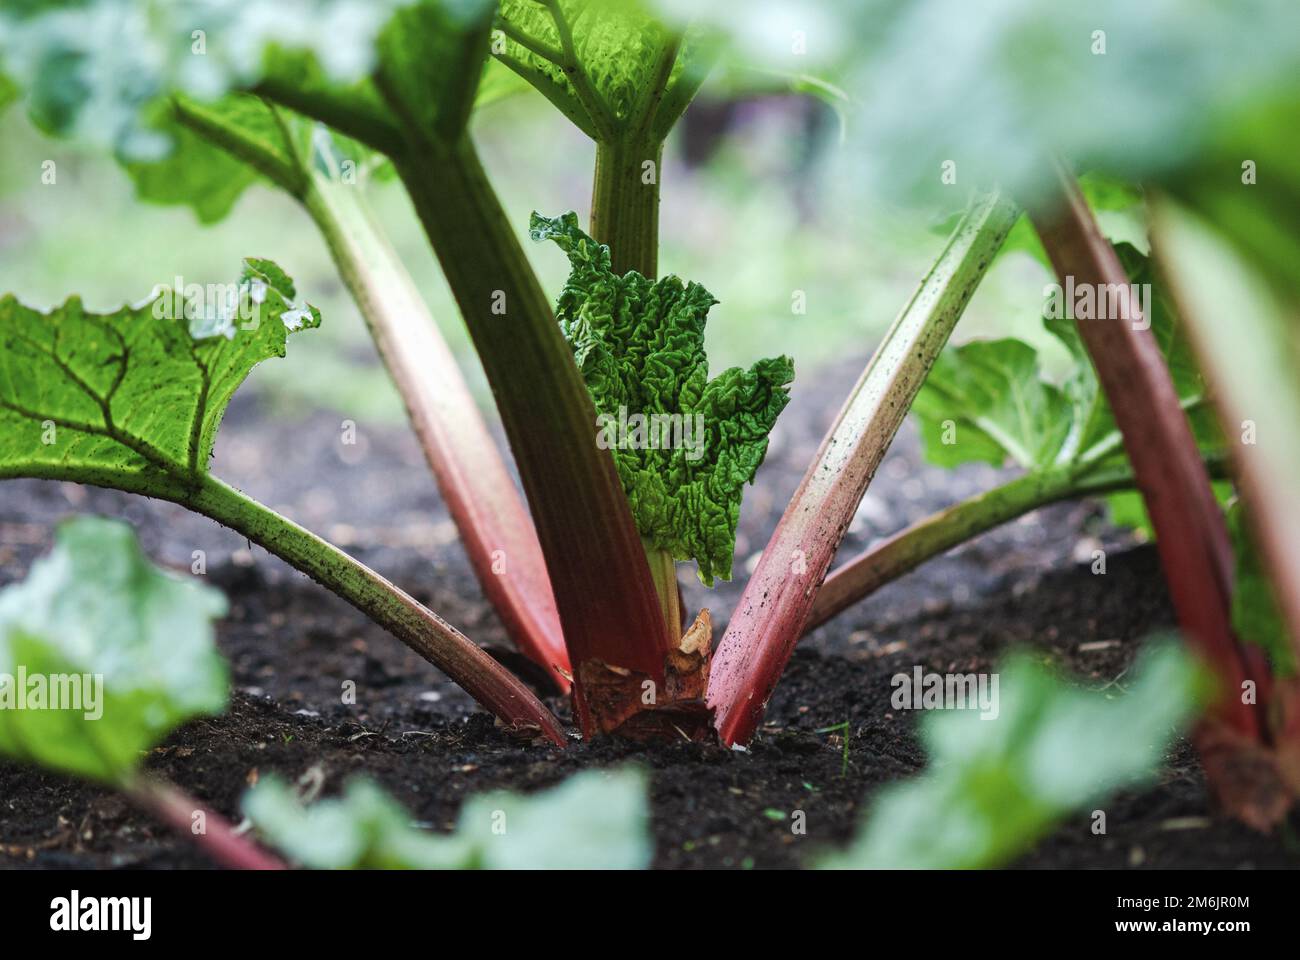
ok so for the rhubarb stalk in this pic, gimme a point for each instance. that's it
(493, 522)
(419, 628)
(858, 578)
(1234, 739)
(603, 589)
(778, 599)
(1190, 531)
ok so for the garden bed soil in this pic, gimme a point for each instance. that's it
(292, 645)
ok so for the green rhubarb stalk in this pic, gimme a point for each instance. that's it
(603, 589)
(864, 574)
(778, 599)
(392, 608)
(625, 203)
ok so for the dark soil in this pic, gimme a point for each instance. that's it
(292, 645)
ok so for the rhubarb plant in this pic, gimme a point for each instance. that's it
(594, 597)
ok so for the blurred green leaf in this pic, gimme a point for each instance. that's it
(95, 607)
(595, 820)
(92, 68)
(997, 785)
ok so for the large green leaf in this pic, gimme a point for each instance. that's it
(97, 616)
(997, 784)
(132, 399)
(596, 820)
(640, 346)
(93, 67)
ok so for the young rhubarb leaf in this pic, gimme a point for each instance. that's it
(102, 654)
(596, 820)
(998, 783)
(685, 445)
(989, 401)
(132, 399)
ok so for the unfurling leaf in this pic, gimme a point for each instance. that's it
(132, 399)
(998, 783)
(988, 400)
(596, 820)
(685, 445)
(119, 651)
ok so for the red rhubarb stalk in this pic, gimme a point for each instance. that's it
(606, 598)
(1190, 531)
(779, 597)
(489, 513)
(1251, 364)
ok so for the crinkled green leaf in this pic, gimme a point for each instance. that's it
(1001, 406)
(996, 785)
(93, 67)
(595, 820)
(132, 399)
(1255, 614)
(640, 346)
(96, 607)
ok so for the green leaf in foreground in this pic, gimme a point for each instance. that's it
(132, 399)
(596, 820)
(120, 652)
(685, 445)
(996, 785)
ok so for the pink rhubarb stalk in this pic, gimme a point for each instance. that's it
(489, 513)
(779, 597)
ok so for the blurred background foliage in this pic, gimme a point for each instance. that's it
(761, 198)
(833, 190)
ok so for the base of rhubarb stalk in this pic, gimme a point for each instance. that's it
(630, 704)
(1250, 781)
